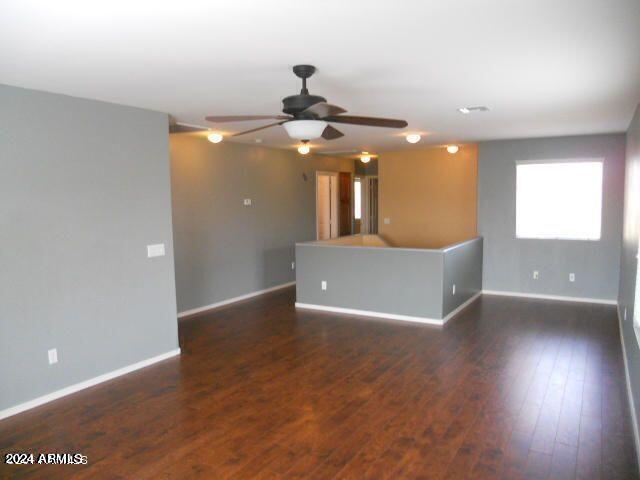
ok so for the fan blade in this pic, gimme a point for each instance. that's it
(331, 133)
(323, 109)
(259, 128)
(242, 118)
(184, 128)
(370, 121)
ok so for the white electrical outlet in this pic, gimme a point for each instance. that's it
(536, 275)
(454, 289)
(293, 265)
(572, 277)
(247, 202)
(323, 285)
(156, 250)
(625, 313)
(53, 356)
(387, 221)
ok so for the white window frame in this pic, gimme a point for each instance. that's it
(551, 162)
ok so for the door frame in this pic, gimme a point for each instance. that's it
(333, 198)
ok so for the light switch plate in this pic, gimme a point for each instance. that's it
(387, 221)
(572, 277)
(536, 275)
(156, 250)
(53, 356)
(247, 202)
(293, 265)
(454, 289)
(323, 285)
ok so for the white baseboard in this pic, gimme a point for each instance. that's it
(390, 316)
(457, 310)
(367, 313)
(632, 406)
(86, 384)
(227, 301)
(550, 297)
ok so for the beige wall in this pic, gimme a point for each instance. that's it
(429, 195)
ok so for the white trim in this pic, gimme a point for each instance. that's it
(457, 310)
(459, 244)
(367, 313)
(86, 384)
(561, 160)
(632, 406)
(550, 297)
(221, 303)
(391, 316)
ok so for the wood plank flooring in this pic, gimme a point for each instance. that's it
(511, 388)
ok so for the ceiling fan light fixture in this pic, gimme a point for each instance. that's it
(365, 157)
(413, 138)
(305, 129)
(215, 137)
(452, 149)
(304, 149)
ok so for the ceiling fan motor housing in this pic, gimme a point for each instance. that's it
(295, 104)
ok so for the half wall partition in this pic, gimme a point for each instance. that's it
(363, 275)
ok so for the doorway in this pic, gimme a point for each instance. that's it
(326, 205)
(366, 204)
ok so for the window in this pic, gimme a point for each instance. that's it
(561, 200)
(357, 199)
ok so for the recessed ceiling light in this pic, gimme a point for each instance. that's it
(215, 137)
(452, 148)
(466, 110)
(413, 138)
(304, 149)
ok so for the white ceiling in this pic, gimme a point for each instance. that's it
(543, 67)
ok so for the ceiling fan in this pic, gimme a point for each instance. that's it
(308, 116)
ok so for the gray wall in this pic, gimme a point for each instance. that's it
(401, 281)
(386, 280)
(224, 249)
(84, 187)
(509, 262)
(462, 267)
(629, 262)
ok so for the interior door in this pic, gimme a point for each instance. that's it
(345, 203)
(373, 205)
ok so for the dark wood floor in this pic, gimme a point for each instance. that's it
(511, 388)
